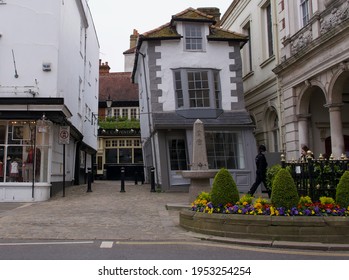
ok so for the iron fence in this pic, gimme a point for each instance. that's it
(317, 177)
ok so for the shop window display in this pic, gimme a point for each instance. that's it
(23, 152)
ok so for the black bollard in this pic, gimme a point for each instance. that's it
(136, 178)
(89, 180)
(152, 179)
(122, 179)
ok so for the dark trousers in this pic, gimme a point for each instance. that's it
(260, 178)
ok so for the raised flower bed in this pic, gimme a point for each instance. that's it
(323, 229)
(323, 221)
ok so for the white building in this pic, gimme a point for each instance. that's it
(296, 72)
(186, 70)
(49, 67)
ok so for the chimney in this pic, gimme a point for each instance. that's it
(212, 12)
(103, 67)
(133, 39)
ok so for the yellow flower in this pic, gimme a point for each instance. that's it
(244, 203)
(258, 205)
(239, 211)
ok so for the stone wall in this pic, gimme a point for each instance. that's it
(278, 228)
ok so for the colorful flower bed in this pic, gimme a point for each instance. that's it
(247, 205)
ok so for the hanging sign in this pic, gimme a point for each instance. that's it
(64, 134)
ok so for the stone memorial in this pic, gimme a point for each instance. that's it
(199, 173)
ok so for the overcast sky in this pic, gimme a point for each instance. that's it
(115, 21)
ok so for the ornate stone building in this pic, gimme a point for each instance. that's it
(304, 77)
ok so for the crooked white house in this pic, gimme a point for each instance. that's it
(49, 69)
(189, 69)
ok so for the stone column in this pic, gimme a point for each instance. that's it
(337, 140)
(303, 130)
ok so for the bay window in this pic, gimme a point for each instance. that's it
(224, 149)
(197, 88)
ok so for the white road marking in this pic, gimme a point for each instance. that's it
(47, 243)
(107, 244)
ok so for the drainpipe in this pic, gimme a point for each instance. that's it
(277, 60)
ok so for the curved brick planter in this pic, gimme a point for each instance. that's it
(304, 229)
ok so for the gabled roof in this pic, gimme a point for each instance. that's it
(168, 31)
(130, 51)
(118, 86)
(219, 34)
(191, 14)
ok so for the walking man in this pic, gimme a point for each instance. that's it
(261, 173)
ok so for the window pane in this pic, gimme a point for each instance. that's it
(199, 92)
(125, 155)
(138, 158)
(224, 149)
(14, 164)
(2, 133)
(305, 11)
(193, 37)
(179, 92)
(111, 156)
(178, 157)
(269, 30)
(202, 88)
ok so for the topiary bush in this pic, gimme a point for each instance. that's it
(284, 192)
(271, 172)
(224, 189)
(342, 191)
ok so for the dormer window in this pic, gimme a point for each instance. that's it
(193, 37)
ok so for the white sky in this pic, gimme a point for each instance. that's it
(115, 20)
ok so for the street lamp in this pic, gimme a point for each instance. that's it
(109, 103)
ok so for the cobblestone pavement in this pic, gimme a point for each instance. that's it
(104, 213)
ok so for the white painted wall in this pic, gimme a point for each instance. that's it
(216, 55)
(30, 29)
(49, 31)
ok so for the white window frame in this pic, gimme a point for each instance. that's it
(268, 45)
(304, 17)
(195, 37)
(247, 49)
(214, 86)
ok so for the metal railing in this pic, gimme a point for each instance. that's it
(317, 177)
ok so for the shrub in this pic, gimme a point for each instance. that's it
(342, 191)
(303, 200)
(284, 191)
(224, 189)
(246, 198)
(271, 172)
(326, 200)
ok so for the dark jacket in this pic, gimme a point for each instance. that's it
(261, 164)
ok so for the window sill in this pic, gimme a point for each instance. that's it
(266, 62)
(248, 75)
